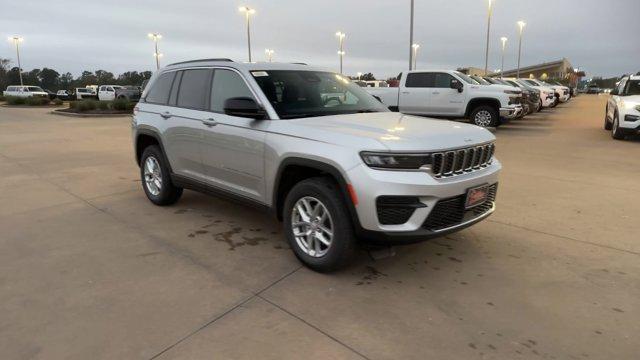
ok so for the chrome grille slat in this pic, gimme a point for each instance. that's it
(460, 161)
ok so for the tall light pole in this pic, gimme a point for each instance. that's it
(521, 25)
(155, 37)
(411, 37)
(414, 48)
(504, 45)
(341, 36)
(269, 53)
(248, 12)
(359, 76)
(17, 40)
(486, 56)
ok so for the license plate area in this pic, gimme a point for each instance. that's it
(476, 196)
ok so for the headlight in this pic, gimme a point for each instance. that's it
(395, 160)
(512, 92)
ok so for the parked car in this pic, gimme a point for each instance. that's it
(107, 92)
(593, 89)
(334, 172)
(622, 115)
(451, 94)
(500, 82)
(85, 93)
(131, 93)
(562, 92)
(547, 94)
(64, 95)
(532, 95)
(25, 91)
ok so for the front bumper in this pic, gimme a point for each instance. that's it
(629, 122)
(511, 112)
(548, 100)
(371, 184)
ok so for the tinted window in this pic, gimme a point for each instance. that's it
(159, 93)
(633, 87)
(227, 84)
(194, 89)
(420, 80)
(443, 80)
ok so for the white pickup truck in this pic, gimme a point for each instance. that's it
(451, 94)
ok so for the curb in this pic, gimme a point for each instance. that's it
(79, 115)
(30, 106)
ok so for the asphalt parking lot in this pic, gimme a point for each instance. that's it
(90, 269)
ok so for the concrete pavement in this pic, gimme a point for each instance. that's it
(90, 269)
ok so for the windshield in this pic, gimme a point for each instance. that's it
(531, 82)
(466, 78)
(633, 87)
(34, 88)
(480, 80)
(297, 94)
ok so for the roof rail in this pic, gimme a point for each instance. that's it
(201, 60)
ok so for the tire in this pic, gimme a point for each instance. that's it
(485, 116)
(539, 108)
(156, 178)
(322, 196)
(607, 124)
(616, 132)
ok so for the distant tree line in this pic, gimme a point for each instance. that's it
(609, 83)
(52, 80)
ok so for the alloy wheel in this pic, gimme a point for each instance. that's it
(312, 226)
(483, 118)
(153, 176)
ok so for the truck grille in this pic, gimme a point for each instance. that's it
(451, 212)
(460, 161)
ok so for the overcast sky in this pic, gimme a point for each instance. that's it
(599, 36)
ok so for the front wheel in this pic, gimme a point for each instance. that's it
(485, 116)
(607, 124)
(317, 225)
(616, 132)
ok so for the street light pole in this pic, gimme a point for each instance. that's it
(504, 44)
(521, 24)
(341, 36)
(248, 12)
(17, 40)
(415, 48)
(486, 56)
(411, 36)
(269, 53)
(155, 37)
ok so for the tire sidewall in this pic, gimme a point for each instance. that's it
(343, 241)
(167, 193)
(495, 120)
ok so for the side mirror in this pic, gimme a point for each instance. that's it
(244, 107)
(455, 84)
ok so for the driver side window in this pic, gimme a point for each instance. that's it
(227, 84)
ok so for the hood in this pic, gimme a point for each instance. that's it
(494, 88)
(386, 131)
(630, 101)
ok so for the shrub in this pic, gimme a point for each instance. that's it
(57, 101)
(15, 100)
(120, 104)
(104, 105)
(37, 101)
(2, 98)
(86, 105)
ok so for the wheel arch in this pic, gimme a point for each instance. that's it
(484, 101)
(148, 137)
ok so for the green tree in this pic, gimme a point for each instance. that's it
(66, 81)
(104, 77)
(49, 79)
(86, 78)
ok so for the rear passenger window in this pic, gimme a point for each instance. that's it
(159, 93)
(227, 84)
(194, 89)
(420, 80)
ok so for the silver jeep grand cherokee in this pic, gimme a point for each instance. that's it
(328, 159)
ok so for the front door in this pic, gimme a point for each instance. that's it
(445, 100)
(233, 147)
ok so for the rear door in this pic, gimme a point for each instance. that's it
(233, 147)
(415, 95)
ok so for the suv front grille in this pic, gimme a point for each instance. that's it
(460, 161)
(451, 212)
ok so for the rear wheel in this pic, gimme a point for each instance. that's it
(317, 225)
(156, 179)
(485, 116)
